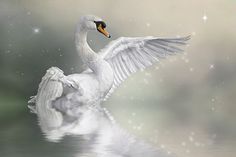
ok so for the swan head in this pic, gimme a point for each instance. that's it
(91, 22)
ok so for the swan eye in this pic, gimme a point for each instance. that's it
(101, 28)
(100, 23)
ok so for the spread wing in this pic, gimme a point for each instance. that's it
(128, 55)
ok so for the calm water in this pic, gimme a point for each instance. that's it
(23, 138)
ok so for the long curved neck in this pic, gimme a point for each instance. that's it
(100, 67)
(87, 55)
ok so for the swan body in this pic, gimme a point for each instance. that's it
(71, 104)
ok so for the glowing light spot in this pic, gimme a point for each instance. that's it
(191, 69)
(204, 18)
(183, 144)
(212, 66)
(36, 30)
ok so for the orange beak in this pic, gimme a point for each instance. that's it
(103, 31)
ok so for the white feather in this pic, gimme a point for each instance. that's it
(128, 55)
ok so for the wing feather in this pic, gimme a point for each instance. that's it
(128, 55)
(123, 66)
(49, 90)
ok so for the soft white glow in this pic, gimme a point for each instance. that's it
(204, 18)
(36, 30)
(212, 66)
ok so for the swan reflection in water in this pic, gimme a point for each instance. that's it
(71, 105)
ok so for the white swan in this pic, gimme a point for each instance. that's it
(71, 104)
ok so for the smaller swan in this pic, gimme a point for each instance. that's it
(65, 104)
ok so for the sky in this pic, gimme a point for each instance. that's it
(184, 105)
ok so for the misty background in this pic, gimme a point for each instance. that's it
(184, 105)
